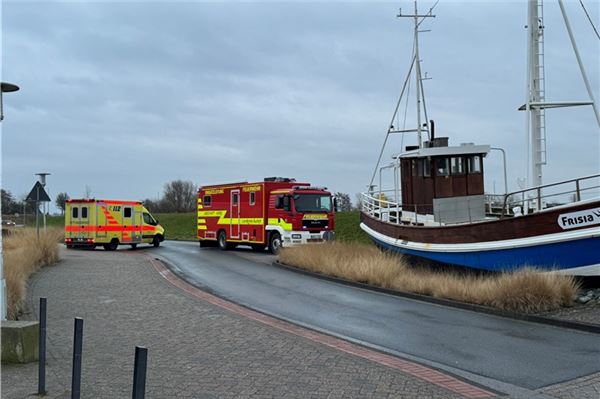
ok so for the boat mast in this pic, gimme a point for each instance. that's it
(417, 63)
(535, 103)
(536, 117)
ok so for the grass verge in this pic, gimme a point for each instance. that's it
(24, 254)
(182, 226)
(524, 291)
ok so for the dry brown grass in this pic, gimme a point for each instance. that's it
(526, 290)
(24, 254)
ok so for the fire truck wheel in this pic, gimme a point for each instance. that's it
(112, 245)
(275, 243)
(223, 241)
(156, 241)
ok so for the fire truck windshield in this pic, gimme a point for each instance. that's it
(312, 203)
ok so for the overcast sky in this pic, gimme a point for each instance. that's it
(125, 96)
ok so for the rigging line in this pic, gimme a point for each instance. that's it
(430, 11)
(392, 121)
(589, 18)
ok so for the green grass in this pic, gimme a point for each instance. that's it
(178, 226)
(51, 221)
(347, 228)
(182, 226)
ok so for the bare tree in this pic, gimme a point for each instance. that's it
(61, 201)
(179, 196)
(359, 200)
(343, 202)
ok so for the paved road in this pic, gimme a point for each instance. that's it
(515, 353)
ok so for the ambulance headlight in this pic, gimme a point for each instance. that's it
(296, 236)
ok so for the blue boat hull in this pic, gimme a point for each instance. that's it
(556, 256)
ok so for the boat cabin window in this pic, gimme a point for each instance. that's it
(475, 164)
(414, 166)
(426, 167)
(441, 166)
(457, 165)
(421, 167)
(206, 200)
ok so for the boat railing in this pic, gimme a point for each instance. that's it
(536, 199)
(379, 207)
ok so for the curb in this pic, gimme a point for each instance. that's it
(574, 325)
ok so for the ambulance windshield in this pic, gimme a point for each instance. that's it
(312, 203)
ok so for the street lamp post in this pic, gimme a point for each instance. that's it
(4, 88)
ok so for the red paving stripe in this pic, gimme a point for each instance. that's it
(416, 370)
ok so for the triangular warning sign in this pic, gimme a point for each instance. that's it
(38, 194)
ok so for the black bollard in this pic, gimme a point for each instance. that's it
(77, 347)
(139, 372)
(42, 349)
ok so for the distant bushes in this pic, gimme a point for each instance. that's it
(24, 254)
(526, 291)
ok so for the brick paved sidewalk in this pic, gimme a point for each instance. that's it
(196, 350)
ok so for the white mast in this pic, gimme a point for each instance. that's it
(535, 103)
(417, 62)
(536, 117)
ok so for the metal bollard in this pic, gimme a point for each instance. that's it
(42, 349)
(77, 347)
(139, 372)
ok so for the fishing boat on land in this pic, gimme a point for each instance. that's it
(437, 207)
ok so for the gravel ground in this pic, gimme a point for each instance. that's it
(588, 313)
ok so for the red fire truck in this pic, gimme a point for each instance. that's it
(273, 213)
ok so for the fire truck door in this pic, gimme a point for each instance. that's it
(234, 218)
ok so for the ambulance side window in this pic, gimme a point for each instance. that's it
(127, 212)
(206, 200)
(252, 198)
(75, 212)
(84, 212)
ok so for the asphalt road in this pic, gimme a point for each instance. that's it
(512, 352)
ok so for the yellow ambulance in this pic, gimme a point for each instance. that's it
(92, 222)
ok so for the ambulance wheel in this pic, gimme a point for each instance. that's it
(111, 246)
(223, 241)
(275, 243)
(133, 246)
(156, 241)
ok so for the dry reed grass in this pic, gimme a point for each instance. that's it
(23, 255)
(526, 290)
